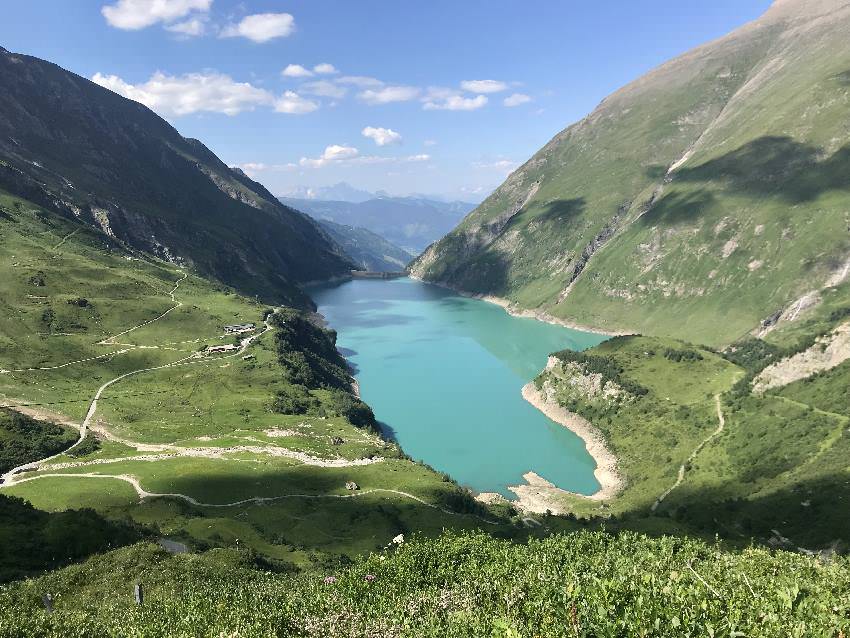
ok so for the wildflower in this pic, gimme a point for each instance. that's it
(330, 580)
(369, 578)
(398, 540)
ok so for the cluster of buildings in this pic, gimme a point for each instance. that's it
(234, 329)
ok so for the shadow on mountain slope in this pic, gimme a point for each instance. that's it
(776, 167)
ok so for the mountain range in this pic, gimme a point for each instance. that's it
(412, 223)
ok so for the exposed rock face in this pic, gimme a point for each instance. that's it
(829, 352)
(716, 180)
(79, 149)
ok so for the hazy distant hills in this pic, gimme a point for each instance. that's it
(81, 150)
(718, 185)
(412, 223)
(369, 250)
(341, 192)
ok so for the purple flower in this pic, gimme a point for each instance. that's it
(330, 580)
(369, 578)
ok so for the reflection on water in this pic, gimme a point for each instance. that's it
(444, 373)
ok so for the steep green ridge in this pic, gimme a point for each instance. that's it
(715, 186)
(368, 250)
(252, 447)
(87, 153)
(586, 584)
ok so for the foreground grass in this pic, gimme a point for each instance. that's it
(458, 585)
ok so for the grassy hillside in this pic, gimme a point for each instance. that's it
(586, 584)
(251, 447)
(74, 147)
(713, 186)
(777, 472)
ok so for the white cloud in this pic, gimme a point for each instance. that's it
(430, 142)
(293, 104)
(516, 99)
(382, 136)
(261, 27)
(325, 68)
(339, 152)
(191, 28)
(389, 94)
(138, 14)
(296, 71)
(483, 86)
(190, 93)
(324, 89)
(342, 155)
(333, 153)
(456, 103)
(360, 80)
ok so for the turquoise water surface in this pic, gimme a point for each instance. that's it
(443, 374)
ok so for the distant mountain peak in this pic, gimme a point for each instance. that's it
(340, 192)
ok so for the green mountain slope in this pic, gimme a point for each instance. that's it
(715, 186)
(368, 250)
(81, 150)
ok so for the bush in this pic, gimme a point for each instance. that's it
(353, 409)
(682, 355)
(295, 399)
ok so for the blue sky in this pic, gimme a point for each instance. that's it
(438, 97)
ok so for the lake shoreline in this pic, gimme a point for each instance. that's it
(523, 313)
(607, 474)
(537, 494)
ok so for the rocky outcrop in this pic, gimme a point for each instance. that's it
(828, 352)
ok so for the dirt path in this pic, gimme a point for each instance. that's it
(681, 477)
(256, 500)
(66, 238)
(12, 477)
(8, 477)
(109, 341)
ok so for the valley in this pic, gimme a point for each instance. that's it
(612, 399)
(171, 437)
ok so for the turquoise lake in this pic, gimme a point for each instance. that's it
(444, 373)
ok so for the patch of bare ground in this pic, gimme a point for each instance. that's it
(828, 352)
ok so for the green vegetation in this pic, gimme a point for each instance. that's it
(32, 540)
(693, 203)
(777, 473)
(23, 439)
(217, 429)
(585, 584)
(606, 367)
(308, 352)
